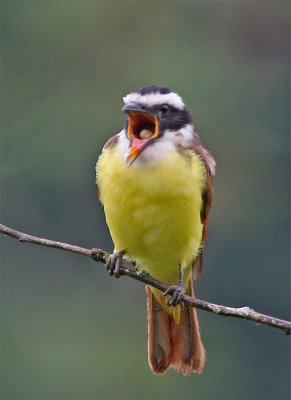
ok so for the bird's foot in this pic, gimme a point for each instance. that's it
(113, 263)
(176, 291)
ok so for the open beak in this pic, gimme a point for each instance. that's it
(142, 127)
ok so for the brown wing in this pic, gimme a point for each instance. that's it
(206, 202)
(110, 142)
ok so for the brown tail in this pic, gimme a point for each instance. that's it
(173, 345)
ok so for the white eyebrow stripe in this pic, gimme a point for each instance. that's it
(152, 99)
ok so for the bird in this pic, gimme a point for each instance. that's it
(155, 183)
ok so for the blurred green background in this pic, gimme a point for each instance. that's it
(69, 331)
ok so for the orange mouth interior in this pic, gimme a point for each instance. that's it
(142, 126)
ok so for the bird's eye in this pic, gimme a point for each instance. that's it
(164, 109)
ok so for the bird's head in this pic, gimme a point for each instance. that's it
(155, 114)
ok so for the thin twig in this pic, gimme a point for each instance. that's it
(101, 256)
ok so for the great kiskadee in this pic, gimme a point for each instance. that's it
(155, 182)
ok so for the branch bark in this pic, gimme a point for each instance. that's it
(100, 255)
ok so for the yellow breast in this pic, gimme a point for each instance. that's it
(153, 211)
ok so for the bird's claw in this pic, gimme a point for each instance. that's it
(177, 294)
(113, 263)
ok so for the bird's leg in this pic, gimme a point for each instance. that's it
(176, 291)
(113, 263)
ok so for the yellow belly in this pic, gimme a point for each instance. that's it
(153, 211)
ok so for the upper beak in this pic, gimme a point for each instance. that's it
(142, 127)
(132, 107)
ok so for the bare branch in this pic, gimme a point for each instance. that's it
(101, 256)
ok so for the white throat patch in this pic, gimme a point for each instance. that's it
(152, 99)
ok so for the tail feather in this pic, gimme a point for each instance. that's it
(188, 352)
(172, 344)
(159, 335)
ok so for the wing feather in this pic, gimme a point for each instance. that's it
(110, 143)
(206, 201)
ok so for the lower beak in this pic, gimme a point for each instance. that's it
(135, 149)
